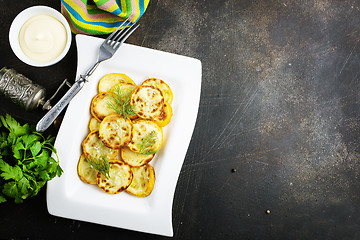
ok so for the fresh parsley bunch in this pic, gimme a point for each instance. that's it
(26, 163)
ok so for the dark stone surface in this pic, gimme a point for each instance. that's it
(279, 103)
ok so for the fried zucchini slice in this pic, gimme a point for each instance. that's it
(135, 159)
(99, 107)
(115, 131)
(147, 137)
(167, 113)
(85, 171)
(94, 124)
(124, 89)
(148, 103)
(112, 79)
(93, 147)
(162, 86)
(121, 99)
(120, 177)
(143, 181)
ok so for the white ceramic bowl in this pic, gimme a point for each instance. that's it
(21, 18)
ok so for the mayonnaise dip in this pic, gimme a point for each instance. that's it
(42, 38)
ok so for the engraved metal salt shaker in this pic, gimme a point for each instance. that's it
(20, 89)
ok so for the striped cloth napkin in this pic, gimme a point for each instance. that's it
(95, 17)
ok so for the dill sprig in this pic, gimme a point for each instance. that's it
(147, 142)
(100, 164)
(120, 103)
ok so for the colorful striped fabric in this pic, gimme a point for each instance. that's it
(94, 17)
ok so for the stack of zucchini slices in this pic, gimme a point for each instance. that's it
(125, 134)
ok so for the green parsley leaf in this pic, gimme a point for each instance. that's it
(59, 171)
(13, 126)
(2, 197)
(23, 185)
(9, 172)
(29, 140)
(26, 163)
(10, 189)
(35, 149)
(18, 150)
(44, 175)
(42, 159)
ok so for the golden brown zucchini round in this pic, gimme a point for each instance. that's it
(147, 137)
(85, 171)
(112, 79)
(148, 103)
(143, 181)
(162, 86)
(135, 159)
(120, 177)
(115, 131)
(93, 147)
(99, 107)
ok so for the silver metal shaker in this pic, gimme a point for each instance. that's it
(20, 89)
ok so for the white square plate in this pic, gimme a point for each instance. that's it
(69, 197)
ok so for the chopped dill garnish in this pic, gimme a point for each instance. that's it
(147, 142)
(120, 103)
(101, 165)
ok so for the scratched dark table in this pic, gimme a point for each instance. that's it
(275, 150)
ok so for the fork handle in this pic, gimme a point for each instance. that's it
(92, 69)
(54, 112)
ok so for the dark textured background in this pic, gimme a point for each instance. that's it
(279, 104)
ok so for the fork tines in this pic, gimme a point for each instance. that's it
(121, 33)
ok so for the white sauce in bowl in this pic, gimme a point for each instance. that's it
(42, 38)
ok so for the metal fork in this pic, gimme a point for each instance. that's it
(106, 51)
